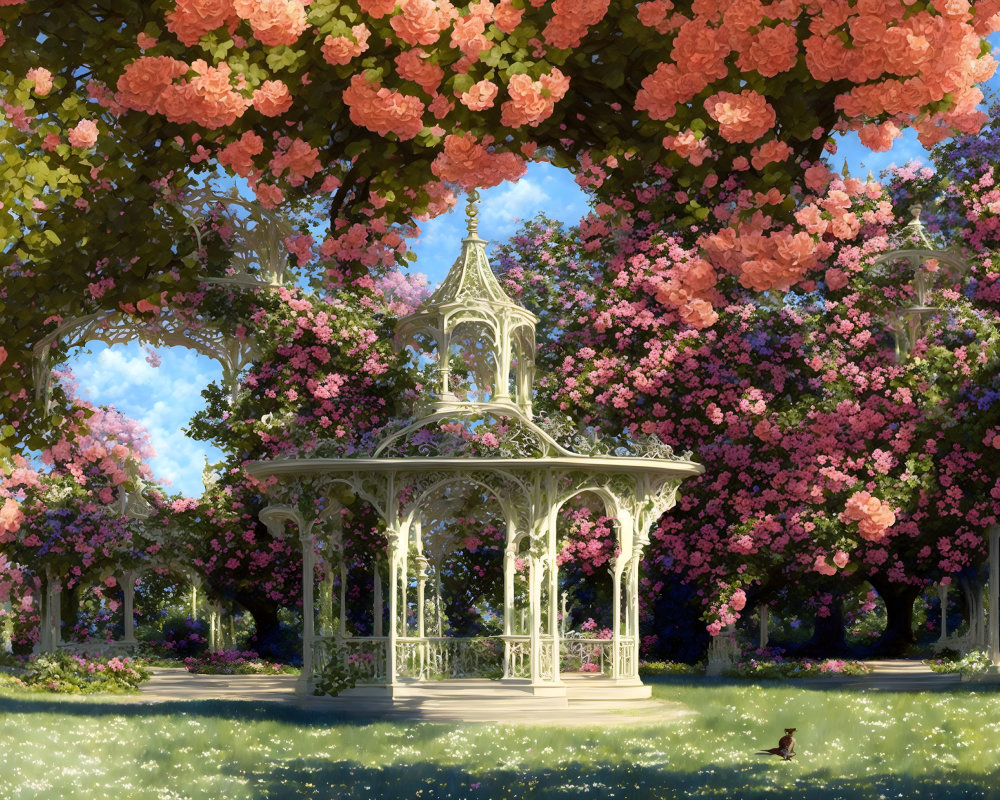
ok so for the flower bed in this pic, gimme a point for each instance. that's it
(670, 668)
(76, 674)
(973, 663)
(235, 662)
(796, 668)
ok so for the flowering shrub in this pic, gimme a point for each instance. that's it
(81, 674)
(975, 662)
(778, 667)
(235, 662)
(670, 668)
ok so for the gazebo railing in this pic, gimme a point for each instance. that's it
(586, 655)
(444, 658)
(367, 657)
(517, 657)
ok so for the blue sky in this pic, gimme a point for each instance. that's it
(164, 398)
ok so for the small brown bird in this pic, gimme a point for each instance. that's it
(785, 748)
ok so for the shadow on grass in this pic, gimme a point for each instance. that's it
(243, 710)
(427, 781)
(824, 684)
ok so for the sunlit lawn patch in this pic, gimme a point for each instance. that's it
(850, 744)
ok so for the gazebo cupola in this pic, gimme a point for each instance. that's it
(482, 340)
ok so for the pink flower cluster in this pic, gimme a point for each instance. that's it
(470, 163)
(531, 102)
(339, 50)
(873, 516)
(83, 134)
(383, 110)
(743, 117)
(208, 98)
(572, 20)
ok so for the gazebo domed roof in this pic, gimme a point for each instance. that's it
(469, 285)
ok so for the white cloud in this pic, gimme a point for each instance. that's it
(502, 209)
(505, 207)
(860, 160)
(162, 398)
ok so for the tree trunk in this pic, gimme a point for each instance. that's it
(267, 639)
(828, 638)
(899, 599)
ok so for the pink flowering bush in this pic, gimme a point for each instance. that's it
(79, 674)
(234, 662)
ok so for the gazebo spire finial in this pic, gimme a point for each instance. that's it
(472, 214)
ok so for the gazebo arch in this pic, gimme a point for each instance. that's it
(496, 446)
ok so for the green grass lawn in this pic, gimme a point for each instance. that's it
(867, 745)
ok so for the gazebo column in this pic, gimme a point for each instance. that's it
(404, 574)
(764, 612)
(633, 610)
(343, 597)
(326, 598)
(394, 570)
(535, 622)
(994, 595)
(378, 605)
(504, 356)
(421, 591)
(308, 621)
(616, 616)
(553, 614)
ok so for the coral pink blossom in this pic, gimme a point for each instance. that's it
(377, 8)
(531, 102)
(192, 19)
(339, 50)
(771, 152)
(743, 117)
(822, 567)
(274, 22)
(506, 17)
(272, 98)
(207, 99)
(84, 135)
(840, 558)
(480, 96)
(836, 279)
(665, 88)
(470, 164)
(143, 83)
(238, 155)
(879, 138)
(738, 601)
(43, 80)
(10, 516)
(145, 41)
(420, 23)
(771, 50)
(268, 196)
(571, 21)
(872, 515)
(688, 146)
(383, 110)
(299, 158)
(413, 65)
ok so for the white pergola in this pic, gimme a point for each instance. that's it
(483, 344)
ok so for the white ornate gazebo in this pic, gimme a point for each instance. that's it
(474, 444)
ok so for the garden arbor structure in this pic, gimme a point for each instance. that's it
(474, 443)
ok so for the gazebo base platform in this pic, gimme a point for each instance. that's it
(574, 687)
